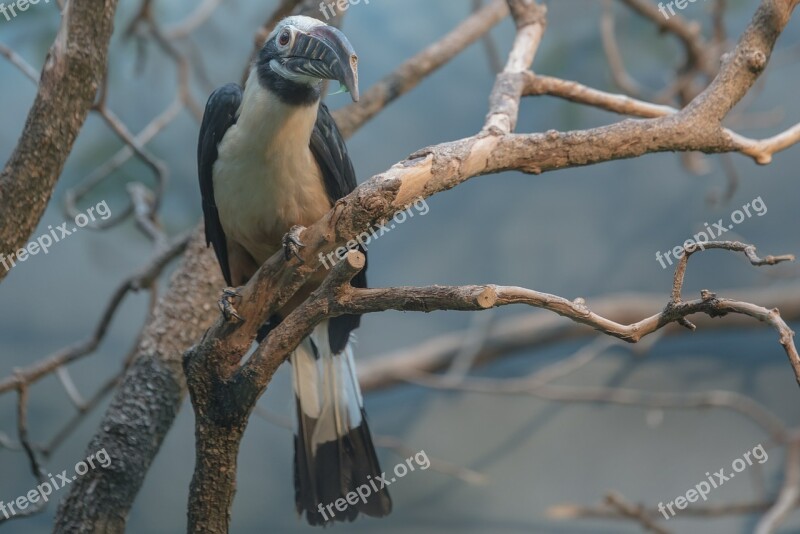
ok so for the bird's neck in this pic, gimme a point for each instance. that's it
(268, 118)
(289, 91)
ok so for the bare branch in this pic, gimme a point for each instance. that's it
(705, 511)
(689, 33)
(763, 150)
(20, 63)
(636, 512)
(36, 468)
(576, 92)
(508, 87)
(143, 279)
(70, 78)
(533, 330)
(624, 81)
(409, 74)
(197, 18)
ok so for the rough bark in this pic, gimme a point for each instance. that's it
(144, 406)
(219, 427)
(72, 73)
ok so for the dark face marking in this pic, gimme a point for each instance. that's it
(291, 93)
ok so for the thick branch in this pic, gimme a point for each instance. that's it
(344, 299)
(533, 330)
(72, 73)
(147, 401)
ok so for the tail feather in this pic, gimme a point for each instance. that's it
(334, 453)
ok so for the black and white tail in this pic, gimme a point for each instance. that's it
(333, 450)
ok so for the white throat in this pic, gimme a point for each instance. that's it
(266, 179)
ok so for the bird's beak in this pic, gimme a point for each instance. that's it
(325, 53)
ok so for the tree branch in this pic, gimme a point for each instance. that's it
(72, 73)
(216, 360)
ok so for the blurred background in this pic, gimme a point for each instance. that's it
(586, 232)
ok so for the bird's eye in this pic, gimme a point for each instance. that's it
(284, 38)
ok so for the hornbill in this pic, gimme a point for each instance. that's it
(271, 160)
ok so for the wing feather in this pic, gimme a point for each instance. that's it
(220, 114)
(330, 151)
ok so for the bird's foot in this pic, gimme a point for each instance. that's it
(292, 243)
(226, 301)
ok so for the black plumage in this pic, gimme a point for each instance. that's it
(220, 114)
(330, 152)
(334, 452)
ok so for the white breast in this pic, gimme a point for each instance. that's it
(266, 179)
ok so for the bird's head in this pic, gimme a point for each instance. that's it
(303, 51)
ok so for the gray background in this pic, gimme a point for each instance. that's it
(580, 232)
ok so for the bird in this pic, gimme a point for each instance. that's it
(271, 161)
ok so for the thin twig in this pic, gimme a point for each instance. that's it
(20, 63)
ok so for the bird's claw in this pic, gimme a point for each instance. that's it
(225, 303)
(292, 243)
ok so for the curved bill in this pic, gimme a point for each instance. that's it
(325, 53)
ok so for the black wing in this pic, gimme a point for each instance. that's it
(220, 115)
(327, 145)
